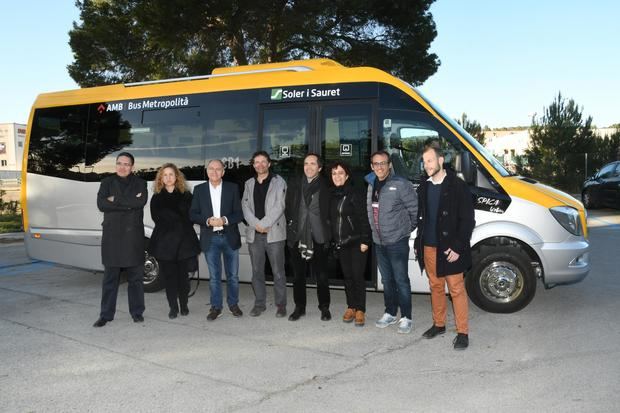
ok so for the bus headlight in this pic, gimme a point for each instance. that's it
(569, 219)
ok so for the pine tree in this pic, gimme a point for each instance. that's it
(119, 41)
(558, 144)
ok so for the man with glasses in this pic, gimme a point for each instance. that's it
(392, 207)
(121, 198)
(216, 207)
(263, 210)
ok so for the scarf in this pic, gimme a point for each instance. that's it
(306, 244)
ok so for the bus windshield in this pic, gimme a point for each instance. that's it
(481, 149)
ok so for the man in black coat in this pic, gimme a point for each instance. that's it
(121, 198)
(216, 207)
(308, 234)
(445, 224)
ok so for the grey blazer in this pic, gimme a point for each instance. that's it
(274, 210)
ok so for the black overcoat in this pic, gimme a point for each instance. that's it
(122, 243)
(173, 237)
(455, 224)
(293, 200)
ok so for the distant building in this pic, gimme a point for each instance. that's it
(602, 132)
(12, 137)
(506, 145)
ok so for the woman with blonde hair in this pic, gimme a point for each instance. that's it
(174, 242)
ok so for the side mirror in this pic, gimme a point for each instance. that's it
(465, 167)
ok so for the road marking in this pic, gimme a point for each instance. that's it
(17, 269)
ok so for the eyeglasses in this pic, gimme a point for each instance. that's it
(380, 164)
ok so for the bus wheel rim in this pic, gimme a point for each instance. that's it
(501, 282)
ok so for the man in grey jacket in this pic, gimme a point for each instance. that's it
(263, 210)
(392, 206)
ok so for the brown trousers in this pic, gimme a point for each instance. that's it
(456, 287)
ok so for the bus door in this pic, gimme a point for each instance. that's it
(287, 134)
(336, 130)
(286, 131)
(345, 132)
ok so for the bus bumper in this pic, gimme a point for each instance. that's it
(566, 262)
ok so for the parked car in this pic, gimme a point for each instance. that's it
(603, 188)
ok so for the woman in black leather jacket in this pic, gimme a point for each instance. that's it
(351, 238)
(174, 242)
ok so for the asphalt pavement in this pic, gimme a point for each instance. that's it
(559, 354)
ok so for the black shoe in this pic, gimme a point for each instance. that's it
(256, 311)
(295, 315)
(281, 312)
(184, 311)
(434, 331)
(138, 319)
(236, 311)
(213, 314)
(100, 322)
(461, 341)
(326, 315)
(173, 313)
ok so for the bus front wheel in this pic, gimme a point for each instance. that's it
(501, 280)
(152, 277)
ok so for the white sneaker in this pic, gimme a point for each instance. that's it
(404, 325)
(386, 320)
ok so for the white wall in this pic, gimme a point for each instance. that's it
(12, 137)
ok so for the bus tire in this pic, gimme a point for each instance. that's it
(501, 280)
(152, 280)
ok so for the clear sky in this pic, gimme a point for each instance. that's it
(501, 61)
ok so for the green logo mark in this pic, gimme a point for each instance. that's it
(276, 94)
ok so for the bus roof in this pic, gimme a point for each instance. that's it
(293, 73)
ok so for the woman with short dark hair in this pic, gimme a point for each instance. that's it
(351, 238)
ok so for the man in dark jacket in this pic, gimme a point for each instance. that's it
(308, 234)
(445, 224)
(216, 207)
(121, 198)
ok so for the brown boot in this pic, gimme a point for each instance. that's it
(360, 318)
(349, 315)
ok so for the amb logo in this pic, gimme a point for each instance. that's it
(276, 94)
(109, 107)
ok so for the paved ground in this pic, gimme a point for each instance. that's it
(559, 354)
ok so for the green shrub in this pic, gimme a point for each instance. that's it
(11, 226)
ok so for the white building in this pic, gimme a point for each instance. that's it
(505, 145)
(12, 136)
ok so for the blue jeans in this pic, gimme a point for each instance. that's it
(392, 260)
(218, 247)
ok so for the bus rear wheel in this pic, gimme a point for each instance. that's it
(501, 280)
(152, 277)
